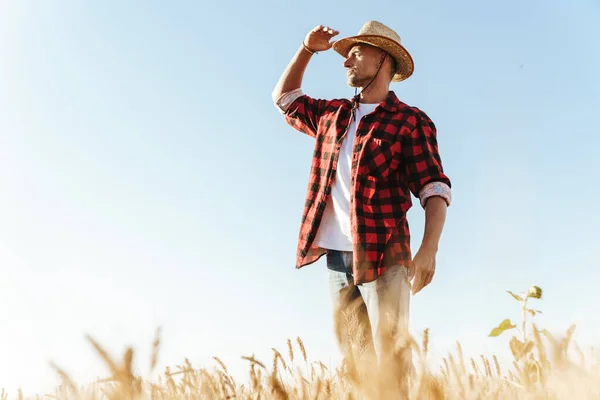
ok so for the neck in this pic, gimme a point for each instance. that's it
(375, 93)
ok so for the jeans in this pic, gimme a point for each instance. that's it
(385, 301)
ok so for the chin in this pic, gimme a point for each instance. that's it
(353, 83)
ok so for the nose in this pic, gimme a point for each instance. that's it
(348, 62)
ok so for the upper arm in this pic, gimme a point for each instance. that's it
(426, 176)
(302, 112)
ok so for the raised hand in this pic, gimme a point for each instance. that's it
(319, 39)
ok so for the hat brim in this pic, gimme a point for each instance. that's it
(404, 61)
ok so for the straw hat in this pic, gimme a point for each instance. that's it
(378, 35)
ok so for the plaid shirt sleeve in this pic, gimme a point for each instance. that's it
(426, 177)
(302, 112)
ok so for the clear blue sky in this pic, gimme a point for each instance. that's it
(147, 178)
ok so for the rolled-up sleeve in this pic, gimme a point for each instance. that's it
(426, 177)
(301, 112)
(285, 100)
(439, 189)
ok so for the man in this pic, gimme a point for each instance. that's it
(371, 152)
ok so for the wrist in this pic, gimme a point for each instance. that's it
(308, 49)
(429, 247)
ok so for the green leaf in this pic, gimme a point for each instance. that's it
(504, 326)
(520, 349)
(516, 296)
(516, 347)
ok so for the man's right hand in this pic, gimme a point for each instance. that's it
(319, 38)
(316, 40)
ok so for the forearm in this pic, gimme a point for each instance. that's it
(435, 217)
(291, 78)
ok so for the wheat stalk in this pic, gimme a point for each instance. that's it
(534, 376)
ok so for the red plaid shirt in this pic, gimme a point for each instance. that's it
(395, 154)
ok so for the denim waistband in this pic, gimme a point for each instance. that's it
(340, 261)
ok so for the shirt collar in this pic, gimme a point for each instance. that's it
(391, 102)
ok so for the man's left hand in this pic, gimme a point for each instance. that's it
(422, 269)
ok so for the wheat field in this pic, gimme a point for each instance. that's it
(544, 367)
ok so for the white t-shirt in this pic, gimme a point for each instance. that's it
(334, 231)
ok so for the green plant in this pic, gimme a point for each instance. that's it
(534, 292)
(520, 348)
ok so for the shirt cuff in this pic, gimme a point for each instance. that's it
(284, 101)
(432, 189)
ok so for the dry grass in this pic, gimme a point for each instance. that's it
(545, 372)
(543, 368)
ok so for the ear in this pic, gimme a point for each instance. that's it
(383, 56)
(392, 64)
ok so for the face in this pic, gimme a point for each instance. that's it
(361, 64)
